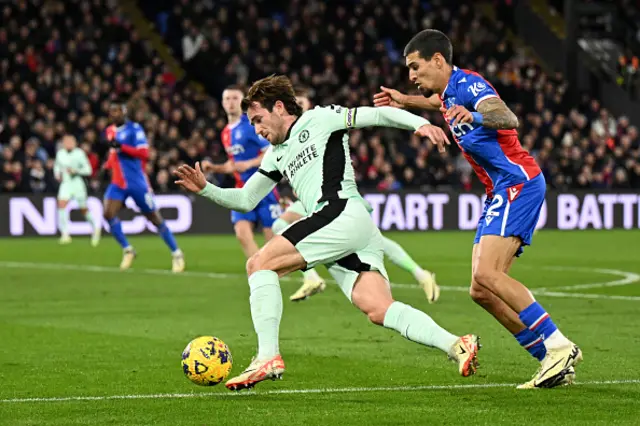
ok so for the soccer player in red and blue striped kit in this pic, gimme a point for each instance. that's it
(485, 130)
(127, 162)
(245, 150)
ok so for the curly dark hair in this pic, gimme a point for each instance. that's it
(269, 90)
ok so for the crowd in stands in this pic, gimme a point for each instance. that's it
(63, 62)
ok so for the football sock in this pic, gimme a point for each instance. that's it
(279, 225)
(62, 221)
(311, 275)
(400, 257)
(539, 322)
(532, 343)
(168, 237)
(266, 311)
(418, 327)
(116, 231)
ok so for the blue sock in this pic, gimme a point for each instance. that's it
(167, 236)
(532, 343)
(538, 321)
(116, 231)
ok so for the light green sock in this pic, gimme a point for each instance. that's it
(62, 221)
(400, 257)
(266, 311)
(89, 219)
(311, 275)
(418, 327)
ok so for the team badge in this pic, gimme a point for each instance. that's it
(303, 136)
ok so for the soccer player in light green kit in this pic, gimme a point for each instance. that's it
(311, 149)
(71, 166)
(313, 283)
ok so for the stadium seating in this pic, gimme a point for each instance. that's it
(62, 63)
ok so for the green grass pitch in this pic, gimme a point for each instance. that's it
(72, 327)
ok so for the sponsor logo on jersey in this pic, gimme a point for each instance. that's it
(477, 87)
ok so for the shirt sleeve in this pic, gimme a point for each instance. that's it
(57, 170)
(139, 138)
(242, 199)
(475, 90)
(268, 166)
(85, 168)
(341, 118)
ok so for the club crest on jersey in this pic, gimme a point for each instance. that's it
(303, 136)
(514, 191)
(238, 134)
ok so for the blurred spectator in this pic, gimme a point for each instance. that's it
(62, 62)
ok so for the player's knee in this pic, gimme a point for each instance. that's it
(478, 293)
(484, 276)
(244, 236)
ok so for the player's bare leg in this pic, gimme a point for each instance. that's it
(492, 254)
(177, 257)
(244, 235)
(313, 282)
(97, 228)
(372, 295)
(63, 220)
(111, 209)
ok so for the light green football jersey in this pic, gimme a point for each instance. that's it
(315, 157)
(76, 161)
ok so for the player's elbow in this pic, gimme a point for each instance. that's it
(513, 121)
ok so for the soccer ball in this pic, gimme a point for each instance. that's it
(206, 361)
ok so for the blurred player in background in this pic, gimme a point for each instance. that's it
(70, 169)
(485, 129)
(127, 161)
(313, 283)
(244, 150)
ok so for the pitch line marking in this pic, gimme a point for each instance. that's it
(627, 278)
(301, 391)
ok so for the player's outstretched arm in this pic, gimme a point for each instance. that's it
(497, 115)
(394, 117)
(242, 199)
(394, 98)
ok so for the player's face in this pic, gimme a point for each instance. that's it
(116, 115)
(231, 102)
(68, 142)
(304, 103)
(268, 124)
(427, 75)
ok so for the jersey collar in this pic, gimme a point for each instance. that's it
(286, 138)
(453, 72)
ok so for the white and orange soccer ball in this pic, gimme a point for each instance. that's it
(206, 361)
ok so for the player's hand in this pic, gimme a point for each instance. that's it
(458, 114)
(71, 172)
(436, 135)
(389, 97)
(189, 178)
(241, 166)
(110, 132)
(207, 166)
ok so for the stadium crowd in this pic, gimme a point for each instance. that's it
(63, 62)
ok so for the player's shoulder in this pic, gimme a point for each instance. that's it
(325, 109)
